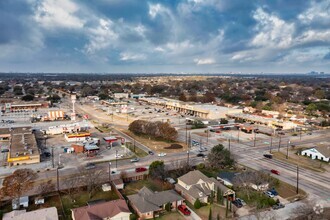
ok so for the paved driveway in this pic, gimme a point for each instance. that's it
(193, 215)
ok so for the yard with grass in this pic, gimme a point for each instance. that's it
(302, 161)
(154, 185)
(138, 152)
(155, 145)
(171, 215)
(204, 211)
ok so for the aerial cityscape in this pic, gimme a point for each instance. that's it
(189, 109)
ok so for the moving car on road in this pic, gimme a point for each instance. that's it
(134, 160)
(200, 155)
(90, 166)
(269, 156)
(184, 210)
(140, 169)
(150, 152)
(161, 154)
(119, 156)
(275, 172)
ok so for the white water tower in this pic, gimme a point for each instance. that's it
(73, 100)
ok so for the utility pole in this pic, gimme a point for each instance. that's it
(186, 134)
(58, 180)
(238, 135)
(297, 179)
(207, 136)
(254, 139)
(134, 144)
(188, 157)
(271, 144)
(53, 162)
(279, 144)
(229, 144)
(109, 171)
(300, 133)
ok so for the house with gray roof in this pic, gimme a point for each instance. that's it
(149, 204)
(195, 185)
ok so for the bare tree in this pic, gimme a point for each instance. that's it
(15, 185)
(93, 179)
(72, 185)
(46, 187)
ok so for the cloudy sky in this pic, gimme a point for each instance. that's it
(164, 36)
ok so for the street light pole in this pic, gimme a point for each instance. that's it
(188, 157)
(109, 171)
(238, 135)
(229, 144)
(271, 144)
(287, 150)
(116, 157)
(207, 136)
(57, 179)
(53, 163)
(254, 140)
(186, 134)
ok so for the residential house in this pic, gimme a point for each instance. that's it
(149, 204)
(112, 210)
(20, 202)
(40, 214)
(227, 178)
(195, 185)
(320, 153)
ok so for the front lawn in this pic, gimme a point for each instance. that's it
(171, 215)
(152, 184)
(204, 211)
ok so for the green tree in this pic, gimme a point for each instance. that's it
(28, 97)
(198, 124)
(220, 157)
(211, 197)
(219, 196)
(210, 214)
(103, 96)
(183, 97)
(311, 108)
(157, 169)
(197, 204)
(168, 206)
(223, 121)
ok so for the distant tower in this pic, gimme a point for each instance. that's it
(73, 100)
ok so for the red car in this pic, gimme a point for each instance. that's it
(275, 172)
(140, 169)
(184, 210)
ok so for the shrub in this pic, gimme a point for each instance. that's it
(174, 146)
(132, 217)
(197, 204)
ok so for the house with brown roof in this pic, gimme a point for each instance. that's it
(40, 214)
(112, 210)
(318, 153)
(195, 185)
(149, 204)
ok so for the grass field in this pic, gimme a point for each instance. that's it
(171, 215)
(154, 185)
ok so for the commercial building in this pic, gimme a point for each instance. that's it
(13, 107)
(120, 95)
(319, 153)
(257, 119)
(206, 111)
(23, 147)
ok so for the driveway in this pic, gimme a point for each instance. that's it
(193, 215)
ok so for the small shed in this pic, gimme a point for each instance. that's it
(118, 183)
(21, 202)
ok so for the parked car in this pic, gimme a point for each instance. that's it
(4, 150)
(90, 166)
(273, 191)
(281, 133)
(170, 180)
(275, 172)
(150, 152)
(243, 203)
(135, 160)
(119, 155)
(161, 154)
(268, 156)
(184, 210)
(237, 204)
(47, 154)
(140, 169)
(278, 206)
(269, 194)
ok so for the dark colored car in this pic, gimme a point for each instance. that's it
(275, 172)
(237, 204)
(150, 152)
(278, 206)
(4, 150)
(140, 169)
(268, 156)
(184, 210)
(47, 154)
(90, 166)
(273, 191)
(200, 155)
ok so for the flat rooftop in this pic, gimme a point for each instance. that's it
(23, 142)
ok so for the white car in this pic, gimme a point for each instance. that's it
(119, 156)
(269, 194)
(162, 155)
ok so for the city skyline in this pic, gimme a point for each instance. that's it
(165, 36)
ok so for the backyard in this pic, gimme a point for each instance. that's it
(153, 184)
